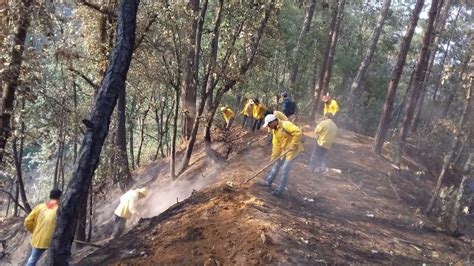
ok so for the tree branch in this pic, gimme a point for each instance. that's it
(95, 7)
(88, 80)
(13, 199)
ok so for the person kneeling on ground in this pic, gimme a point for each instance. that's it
(326, 133)
(228, 116)
(127, 208)
(286, 146)
(41, 222)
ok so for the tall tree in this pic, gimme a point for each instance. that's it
(97, 130)
(190, 70)
(448, 158)
(308, 18)
(420, 72)
(395, 79)
(326, 67)
(9, 79)
(356, 88)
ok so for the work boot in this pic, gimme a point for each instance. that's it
(277, 193)
(263, 184)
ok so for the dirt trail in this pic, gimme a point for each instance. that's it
(368, 213)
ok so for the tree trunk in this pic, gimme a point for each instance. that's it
(12, 73)
(308, 18)
(17, 199)
(210, 85)
(123, 174)
(452, 95)
(395, 79)
(322, 70)
(439, 26)
(191, 68)
(355, 89)
(332, 48)
(18, 158)
(142, 136)
(175, 134)
(453, 226)
(97, 129)
(420, 72)
(449, 157)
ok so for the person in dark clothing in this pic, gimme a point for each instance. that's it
(286, 103)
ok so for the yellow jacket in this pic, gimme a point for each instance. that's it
(332, 107)
(228, 114)
(326, 131)
(41, 222)
(280, 116)
(248, 109)
(287, 137)
(259, 111)
(128, 204)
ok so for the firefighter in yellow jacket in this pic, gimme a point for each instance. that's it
(247, 113)
(127, 208)
(326, 133)
(228, 116)
(330, 105)
(259, 110)
(41, 222)
(286, 146)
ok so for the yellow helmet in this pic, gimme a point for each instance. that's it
(222, 109)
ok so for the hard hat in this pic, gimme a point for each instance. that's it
(284, 94)
(325, 98)
(222, 109)
(268, 119)
(143, 191)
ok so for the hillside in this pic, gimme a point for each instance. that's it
(361, 211)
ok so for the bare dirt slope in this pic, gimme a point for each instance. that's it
(367, 213)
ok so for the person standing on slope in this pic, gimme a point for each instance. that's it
(228, 116)
(259, 110)
(330, 105)
(286, 146)
(127, 208)
(41, 222)
(247, 113)
(287, 106)
(326, 132)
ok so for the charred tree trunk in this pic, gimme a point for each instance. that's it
(97, 129)
(308, 18)
(420, 72)
(453, 225)
(175, 134)
(355, 89)
(395, 79)
(12, 73)
(123, 174)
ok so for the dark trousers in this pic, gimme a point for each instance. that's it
(119, 226)
(229, 124)
(317, 158)
(257, 124)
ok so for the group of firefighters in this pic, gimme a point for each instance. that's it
(286, 138)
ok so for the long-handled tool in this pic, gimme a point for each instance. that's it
(266, 166)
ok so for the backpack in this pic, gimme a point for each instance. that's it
(291, 108)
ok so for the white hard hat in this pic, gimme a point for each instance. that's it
(268, 119)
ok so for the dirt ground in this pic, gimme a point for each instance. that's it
(362, 210)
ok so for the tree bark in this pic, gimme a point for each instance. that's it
(97, 129)
(332, 47)
(175, 134)
(308, 18)
(12, 73)
(355, 89)
(123, 174)
(322, 70)
(453, 226)
(449, 157)
(420, 72)
(18, 158)
(191, 68)
(395, 79)
(210, 85)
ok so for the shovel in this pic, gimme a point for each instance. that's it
(266, 166)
